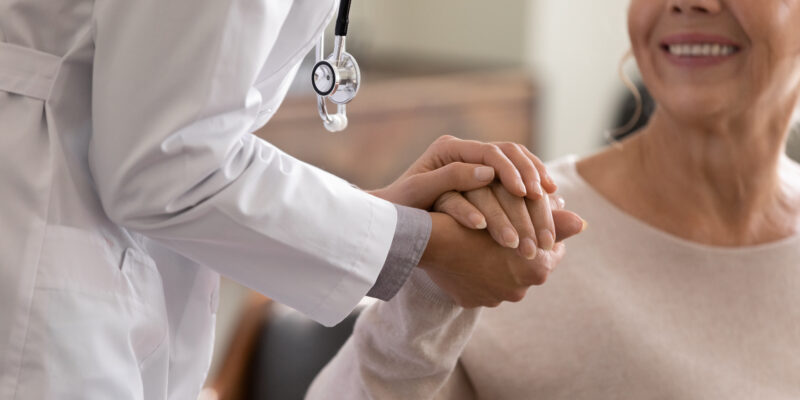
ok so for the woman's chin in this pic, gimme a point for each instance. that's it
(699, 110)
(697, 101)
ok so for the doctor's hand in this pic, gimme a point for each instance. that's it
(452, 164)
(474, 271)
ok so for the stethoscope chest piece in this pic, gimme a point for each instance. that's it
(336, 78)
(339, 80)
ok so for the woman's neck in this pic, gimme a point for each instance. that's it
(719, 185)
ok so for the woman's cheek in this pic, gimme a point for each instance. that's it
(774, 24)
(642, 18)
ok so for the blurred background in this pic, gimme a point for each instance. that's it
(538, 72)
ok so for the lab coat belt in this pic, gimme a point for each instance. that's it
(27, 72)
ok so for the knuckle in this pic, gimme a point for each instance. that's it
(506, 146)
(440, 143)
(493, 149)
(446, 200)
(478, 195)
(445, 139)
(538, 276)
(515, 296)
(442, 204)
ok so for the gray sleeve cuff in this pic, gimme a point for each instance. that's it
(410, 240)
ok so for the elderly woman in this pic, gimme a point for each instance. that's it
(687, 284)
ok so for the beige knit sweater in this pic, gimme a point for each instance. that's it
(630, 313)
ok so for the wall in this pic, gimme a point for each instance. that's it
(571, 47)
(455, 32)
(574, 48)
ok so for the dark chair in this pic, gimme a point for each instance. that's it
(275, 353)
(291, 351)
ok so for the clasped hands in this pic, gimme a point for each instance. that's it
(498, 227)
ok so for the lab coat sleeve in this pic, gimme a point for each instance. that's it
(409, 243)
(175, 99)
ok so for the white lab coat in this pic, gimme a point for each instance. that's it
(129, 179)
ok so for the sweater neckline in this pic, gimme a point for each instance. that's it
(570, 168)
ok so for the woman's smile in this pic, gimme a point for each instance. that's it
(713, 61)
(698, 49)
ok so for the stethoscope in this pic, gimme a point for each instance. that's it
(337, 77)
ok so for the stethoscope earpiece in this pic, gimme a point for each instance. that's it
(336, 78)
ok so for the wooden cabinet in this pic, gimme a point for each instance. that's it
(393, 121)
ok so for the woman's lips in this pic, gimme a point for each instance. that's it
(698, 50)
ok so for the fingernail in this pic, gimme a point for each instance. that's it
(585, 225)
(484, 174)
(547, 240)
(560, 201)
(510, 238)
(550, 181)
(537, 188)
(528, 248)
(477, 221)
(521, 187)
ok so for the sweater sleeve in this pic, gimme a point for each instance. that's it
(407, 348)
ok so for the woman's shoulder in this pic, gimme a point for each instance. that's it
(579, 195)
(565, 174)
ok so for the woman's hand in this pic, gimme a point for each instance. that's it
(452, 164)
(515, 222)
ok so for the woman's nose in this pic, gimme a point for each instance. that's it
(695, 6)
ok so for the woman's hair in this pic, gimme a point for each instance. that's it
(634, 110)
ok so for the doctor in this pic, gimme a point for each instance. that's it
(129, 179)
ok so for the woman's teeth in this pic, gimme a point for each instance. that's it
(701, 50)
